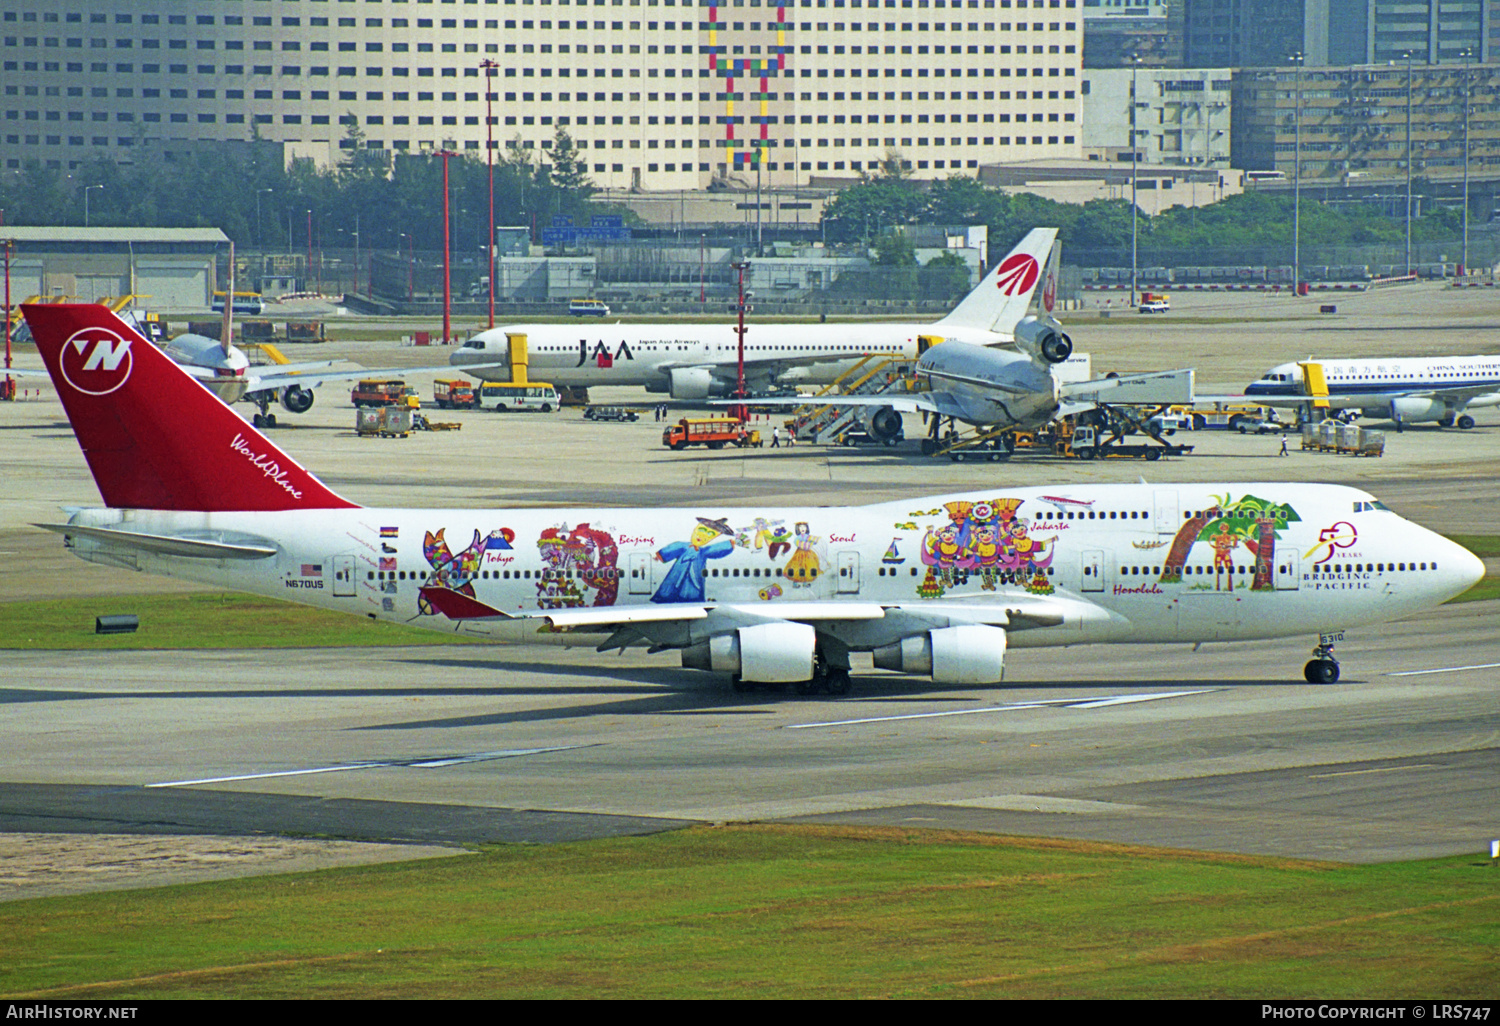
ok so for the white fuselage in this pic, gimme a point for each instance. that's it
(1056, 565)
(590, 355)
(1411, 388)
(222, 372)
(997, 387)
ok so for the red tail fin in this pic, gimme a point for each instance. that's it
(154, 437)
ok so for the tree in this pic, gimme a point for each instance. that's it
(895, 249)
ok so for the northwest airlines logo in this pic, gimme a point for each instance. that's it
(1018, 273)
(96, 361)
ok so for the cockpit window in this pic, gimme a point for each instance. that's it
(474, 343)
(1361, 506)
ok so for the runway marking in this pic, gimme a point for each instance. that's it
(1444, 669)
(429, 762)
(1379, 769)
(1061, 703)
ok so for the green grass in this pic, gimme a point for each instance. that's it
(766, 911)
(1482, 545)
(1487, 588)
(204, 620)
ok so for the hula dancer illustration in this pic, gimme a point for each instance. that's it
(711, 539)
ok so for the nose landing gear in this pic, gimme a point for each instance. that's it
(1322, 668)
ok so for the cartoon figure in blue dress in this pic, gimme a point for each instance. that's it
(711, 539)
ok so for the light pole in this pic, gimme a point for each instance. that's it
(1296, 59)
(1408, 163)
(8, 390)
(258, 193)
(741, 411)
(86, 189)
(1135, 63)
(1467, 54)
(356, 254)
(447, 255)
(489, 67)
(309, 249)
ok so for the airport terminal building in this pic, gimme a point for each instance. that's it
(659, 94)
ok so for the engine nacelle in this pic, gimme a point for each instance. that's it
(1043, 341)
(691, 382)
(296, 399)
(883, 424)
(765, 653)
(966, 654)
(1409, 411)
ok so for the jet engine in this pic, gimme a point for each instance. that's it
(1043, 341)
(966, 654)
(1409, 411)
(765, 653)
(296, 399)
(883, 424)
(691, 382)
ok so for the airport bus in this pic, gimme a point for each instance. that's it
(508, 397)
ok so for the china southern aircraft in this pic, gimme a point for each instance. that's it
(694, 361)
(1406, 390)
(938, 586)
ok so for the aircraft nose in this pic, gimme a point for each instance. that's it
(1468, 569)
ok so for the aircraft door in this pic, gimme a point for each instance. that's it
(343, 576)
(1168, 517)
(1093, 570)
(640, 573)
(1288, 570)
(848, 572)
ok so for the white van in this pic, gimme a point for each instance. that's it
(588, 308)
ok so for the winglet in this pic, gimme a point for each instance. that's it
(154, 437)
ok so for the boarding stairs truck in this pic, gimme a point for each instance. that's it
(817, 422)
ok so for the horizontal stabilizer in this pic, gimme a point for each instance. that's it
(165, 544)
(1161, 387)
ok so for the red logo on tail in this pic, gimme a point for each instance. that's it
(1018, 273)
(96, 361)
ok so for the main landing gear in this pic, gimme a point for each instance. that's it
(1322, 668)
(832, 679)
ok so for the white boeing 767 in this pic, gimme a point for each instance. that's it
(940, 586)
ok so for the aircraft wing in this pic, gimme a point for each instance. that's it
(678, 624)
(280, 377)
(1165, 387)
(946, 404)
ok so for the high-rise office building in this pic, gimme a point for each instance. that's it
(1262, 33)
(657, 94)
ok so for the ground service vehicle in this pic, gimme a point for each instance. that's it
(454, 395)
(505, 397)
(384, 392)
(714, 432)
(610, 413)
(588, 308)
(1154, 302)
